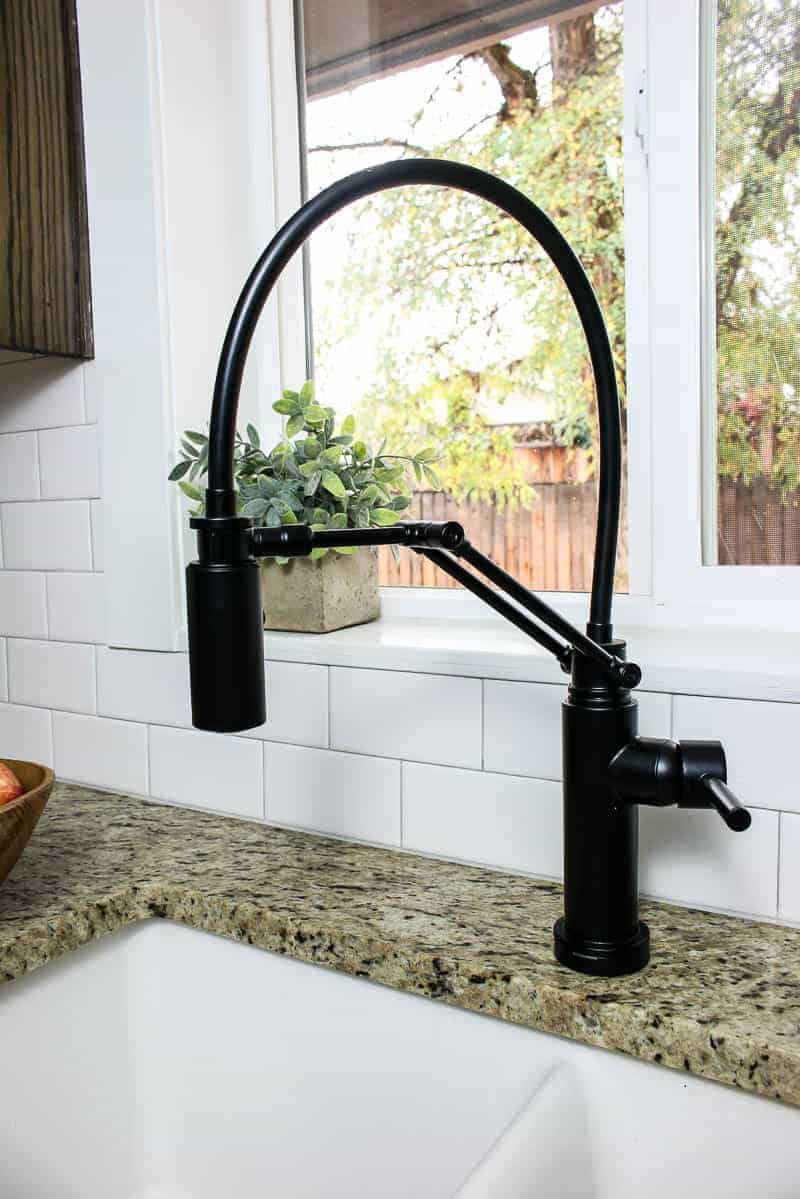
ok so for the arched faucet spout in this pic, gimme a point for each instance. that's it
(221, 496)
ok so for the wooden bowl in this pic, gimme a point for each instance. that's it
(18, 818)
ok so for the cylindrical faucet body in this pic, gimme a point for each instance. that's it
(600, 932)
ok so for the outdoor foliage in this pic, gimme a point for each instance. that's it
(314, 475)
(758, 241)
(473, 308)
(494, 317)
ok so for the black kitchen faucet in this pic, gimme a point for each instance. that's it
(608, 769)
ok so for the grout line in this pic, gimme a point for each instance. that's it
(483, 724)
(264, 792)
(330, 705)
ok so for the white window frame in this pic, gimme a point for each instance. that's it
(137, 209)
(680, 38)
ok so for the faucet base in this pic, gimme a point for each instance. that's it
(606, 959)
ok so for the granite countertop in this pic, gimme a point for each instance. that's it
(721, 997)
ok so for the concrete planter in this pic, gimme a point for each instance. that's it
(317, 597)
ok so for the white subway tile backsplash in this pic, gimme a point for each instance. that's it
(68, 463)
(522, 726)
(76, 607)
(760, 740)
(40, 394)
(494, 819)
(344, 794)
(789, 891)
(25, 733)
(691, 856)
(51, 674)
(97, 534)
(23, 604)
(419, 717)
(47, 535)
(206, 770)
(297, 704)
(19, 467)
(148, 687)
(101, 753)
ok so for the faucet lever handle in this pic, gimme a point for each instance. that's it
(720, 797)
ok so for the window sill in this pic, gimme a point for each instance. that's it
(762, 665)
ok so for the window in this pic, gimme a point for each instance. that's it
(438, 322)
(754, 303)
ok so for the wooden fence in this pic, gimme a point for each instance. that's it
(548, 547)
(756, 526)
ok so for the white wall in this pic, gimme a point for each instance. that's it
(459, 767)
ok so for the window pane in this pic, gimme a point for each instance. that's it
(757, 282)
(437, 321)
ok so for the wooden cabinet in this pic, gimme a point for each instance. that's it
(45, 290)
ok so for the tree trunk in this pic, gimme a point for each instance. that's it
(520, 95)
(573, 49)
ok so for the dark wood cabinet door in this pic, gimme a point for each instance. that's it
(45, 289)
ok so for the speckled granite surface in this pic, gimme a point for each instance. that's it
(721, 997)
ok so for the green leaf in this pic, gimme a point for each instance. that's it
(307, 469)
(294, 424)
(349, 424)
(192, 492)
(289, 517)
(312, 446)
(332, 455)
(433, 478)
(255, 508)
(333, 484)
(255, 440)
(178, 471)
(318, 553)
(307, 390)
(338, 521)
(197, 438)
(312, 483)
(384, 516)
(346, 549)
(399, 503)
(287, 405)
(360, 451)
(315, 415)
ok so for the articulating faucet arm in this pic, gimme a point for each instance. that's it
(443, 543)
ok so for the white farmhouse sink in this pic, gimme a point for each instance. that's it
(163, 1063)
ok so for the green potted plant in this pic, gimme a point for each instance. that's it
(328, 479)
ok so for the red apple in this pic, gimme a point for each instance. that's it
(10, 786)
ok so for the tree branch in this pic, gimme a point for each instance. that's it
(520, 93)
(382, 143)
